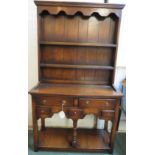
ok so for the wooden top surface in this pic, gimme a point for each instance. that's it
(81, 4)
(75, 90)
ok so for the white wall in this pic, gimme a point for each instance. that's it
(33, 72)
(32, 54)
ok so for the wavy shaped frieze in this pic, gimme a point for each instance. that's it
(102, 12)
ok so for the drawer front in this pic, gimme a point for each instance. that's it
(107, 104)
(74, 113)
(43, 112)
(107, 114)
(54, 100)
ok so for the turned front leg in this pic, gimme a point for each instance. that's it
(74, 114)
(74, 141)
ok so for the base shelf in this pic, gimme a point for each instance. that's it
(95, 140)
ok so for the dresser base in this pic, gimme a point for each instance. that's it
(59, 139)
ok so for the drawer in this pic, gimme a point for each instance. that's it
(107, 114)
(74, 113)
(107, 104)
(43, 111)
(54, 100)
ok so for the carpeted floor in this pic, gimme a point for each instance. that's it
(120, 147)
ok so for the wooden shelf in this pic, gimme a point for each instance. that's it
(76, 66)
(45, 80)
(60, 139)
(75, 90)
(77, 44)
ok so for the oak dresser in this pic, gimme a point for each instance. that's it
(77, 50)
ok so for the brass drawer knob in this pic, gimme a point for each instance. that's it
(74, 112)
(63, 101)
(107, 103)
(44, 101)
(87, 102)
(42, 111)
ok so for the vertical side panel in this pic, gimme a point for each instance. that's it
(39, 35)
(116, 38)
(35, 124)
(114, 126)
(112, 28)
